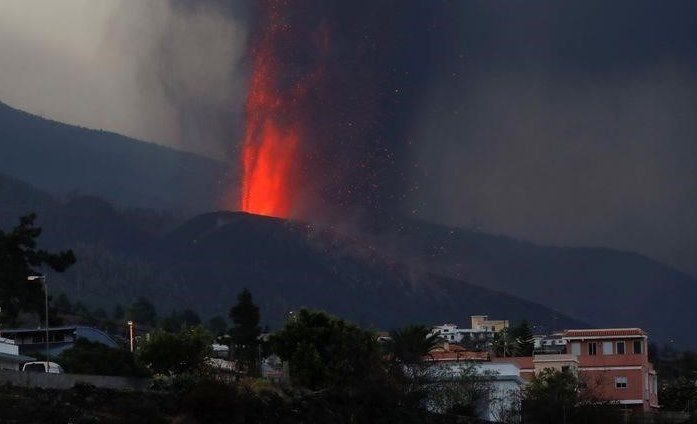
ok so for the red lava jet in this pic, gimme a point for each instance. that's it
(270, 150)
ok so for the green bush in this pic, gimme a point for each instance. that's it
(87, 357)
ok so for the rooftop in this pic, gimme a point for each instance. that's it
(453, 352)
(604, 332)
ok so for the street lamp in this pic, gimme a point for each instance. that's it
(130, 334)
(43, 278)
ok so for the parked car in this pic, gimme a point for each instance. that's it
(49, 367)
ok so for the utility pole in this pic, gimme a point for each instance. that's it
(43, 279)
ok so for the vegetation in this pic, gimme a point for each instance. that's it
(19, 259)
(170, 354)
(677, 372)
(87, 357)
(143, 311)
(177, 321)
(326, 352)
(217, 326)
(411, 344)
(244, 334)
(514, 341)
(562, 397)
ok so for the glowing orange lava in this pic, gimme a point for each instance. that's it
(271, 143)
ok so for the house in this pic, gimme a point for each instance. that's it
(10, 359)
(477, 337)
(553, 343)
(503, 382)
(33, 340)
(612, 362)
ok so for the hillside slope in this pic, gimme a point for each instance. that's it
(604, 287)
(206, 261)
(383, 275)
(64, 159)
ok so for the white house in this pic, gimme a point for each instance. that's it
(10, 359)
(503, 383)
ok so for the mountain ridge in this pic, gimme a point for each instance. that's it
(65, 159)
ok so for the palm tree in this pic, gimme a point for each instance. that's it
(411, 343)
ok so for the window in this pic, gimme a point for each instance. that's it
(592, 348)
(620, 348)
(37, 338)
(621, 382)
(607, 348)
(576, 349)
(637, 347)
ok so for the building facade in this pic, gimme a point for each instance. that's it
(33, 340)
(477, 337)
(10, 359)
(614, 364)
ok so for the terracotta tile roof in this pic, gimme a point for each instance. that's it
(453, 352)
(604, 332)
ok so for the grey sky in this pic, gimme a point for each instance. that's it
(88, 62)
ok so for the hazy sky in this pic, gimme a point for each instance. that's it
(96, 63)
(559, 122)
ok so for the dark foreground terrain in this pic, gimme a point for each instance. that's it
(204, 403)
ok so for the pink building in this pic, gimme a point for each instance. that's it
(614, 363)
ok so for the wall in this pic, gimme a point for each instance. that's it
(67, 381)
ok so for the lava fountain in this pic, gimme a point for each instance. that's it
(270, 149)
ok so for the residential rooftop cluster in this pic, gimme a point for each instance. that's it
(613, 363)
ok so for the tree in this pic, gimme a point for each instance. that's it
(19, 259)
(326, 352)
(522, 337)
(217, 325)
(177, 353)
(410, 344)
(87, 357)
(143, 312)
(504, 344)
(245, 331)
(462, 391)
(551, 396)
(177, 321)
(562, 397)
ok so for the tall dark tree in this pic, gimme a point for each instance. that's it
(523, 339)
(20, 258)
(245, 331)
(143, 311)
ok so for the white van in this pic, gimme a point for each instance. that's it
(52, 368)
